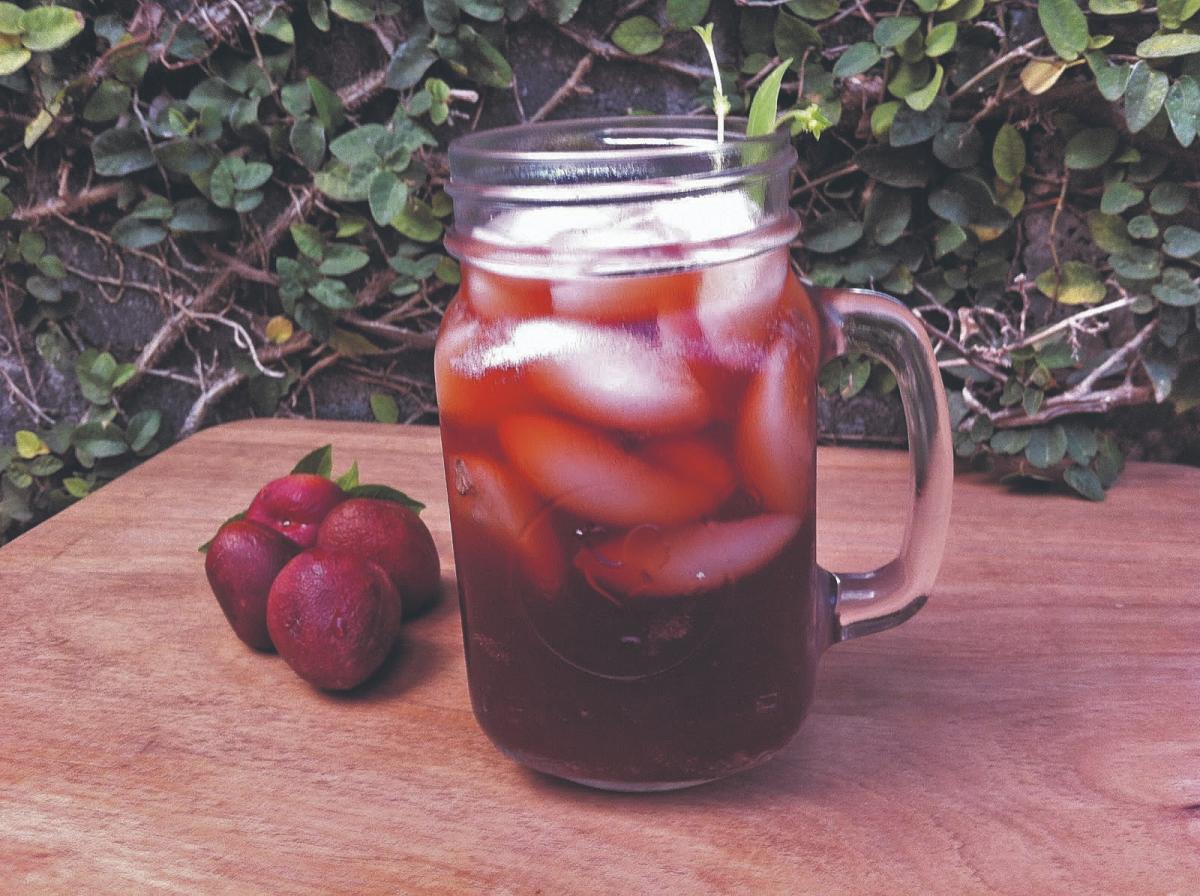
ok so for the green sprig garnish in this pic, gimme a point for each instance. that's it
(809, 120)
(720, 102)
(764, 115)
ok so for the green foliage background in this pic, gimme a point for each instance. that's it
(264, 181)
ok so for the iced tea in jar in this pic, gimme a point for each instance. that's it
(627, 389)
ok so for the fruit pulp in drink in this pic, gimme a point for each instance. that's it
(629, 463)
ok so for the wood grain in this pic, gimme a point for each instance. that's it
(1033, 730)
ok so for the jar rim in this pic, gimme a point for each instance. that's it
(610, 159)
(606, 196)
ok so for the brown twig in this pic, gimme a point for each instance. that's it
(413, 339)
(625, 11)
(312, 372)
(824, 178)
(221, 20)
(386, 378)
(1058, 207)
(27, 400)
(1046, 332)
(367, 87)
(121, 283)
(971, 357)
(214, 391)
(168, 334)
(999, 62)
(1080, 399)
(1062, 406)
(33, 406)
(67, 205)
(239, 267)
(1120, 356)
(262, 64)
(516, 92)
(16, 335)
(754, 81)
(606, 50)
(567, 89)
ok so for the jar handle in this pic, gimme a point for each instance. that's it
(860, 320)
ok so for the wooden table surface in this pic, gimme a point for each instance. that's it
(1035, 729)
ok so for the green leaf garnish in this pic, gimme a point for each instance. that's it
(763, 109)
(764, 117)
(385, 493)
(348, 480)
(318, 462)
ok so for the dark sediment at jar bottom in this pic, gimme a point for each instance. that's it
(698, 687)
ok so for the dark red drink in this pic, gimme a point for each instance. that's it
(630, 469)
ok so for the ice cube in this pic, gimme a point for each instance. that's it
(623, 299)
(542, 225)
(495, 296)
(737, 302)
(455, 337)
(696, 459)
(468, 391)
(590, 238)
(607, 376)
(711, 216)
(484, 494)
(649, 561)
(723, 379)
(774, 437)
(593, 477)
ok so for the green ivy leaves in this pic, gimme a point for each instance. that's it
(201, 147)
(235, 184)
(1065, 26)
(1168, 46)
(359, 11)
(310, 286)
(1180, 241)
(685, 14)
(384, 408)
(894, 30)
(1090, 148)
(927, 206)
(1183, 109)
(1008, 154)
(1145, 94)
(856, 59)
(121, 151)
(38, 30)
(832, 232)
(641, 35)
(412, 59)
(66, 461)
(1075, 283)
(638, 36)
(371, 165)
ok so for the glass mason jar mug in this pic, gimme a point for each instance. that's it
(627, 386)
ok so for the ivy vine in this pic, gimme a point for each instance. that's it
(1023, 175)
